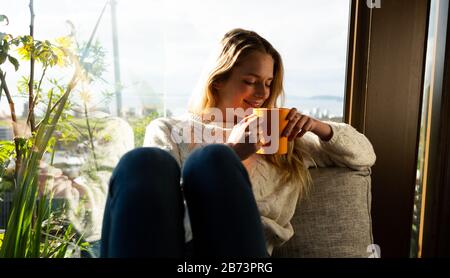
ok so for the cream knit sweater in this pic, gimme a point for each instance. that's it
(347, 148)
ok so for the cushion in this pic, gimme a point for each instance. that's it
(334, 220)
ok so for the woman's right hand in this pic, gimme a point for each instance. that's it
(244, 138)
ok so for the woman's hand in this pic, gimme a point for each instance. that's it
(244, 138)
(299, 124)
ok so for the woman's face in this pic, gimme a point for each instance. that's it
(249, 83)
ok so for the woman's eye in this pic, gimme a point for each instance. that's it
(249, 82)
(268, 85)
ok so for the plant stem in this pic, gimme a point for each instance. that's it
(30, 115)
(91, 137)
(10, 101)
(51, 110)
(77, 130)
(53, 155)
(12, 110)
(31, 81)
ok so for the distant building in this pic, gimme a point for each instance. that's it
(6, 133)
(317, 113)
(324, 114)
(149, 109)
(130, 112)
(25, 110)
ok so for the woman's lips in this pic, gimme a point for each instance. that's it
(254, 104)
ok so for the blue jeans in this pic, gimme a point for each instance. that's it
(144, 210)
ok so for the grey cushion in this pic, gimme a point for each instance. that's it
(334, 220)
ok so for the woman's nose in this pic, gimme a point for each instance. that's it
(261, 91)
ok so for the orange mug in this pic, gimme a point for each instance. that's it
(277, 144)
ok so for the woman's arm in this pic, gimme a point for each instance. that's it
(330, 143)
(322, 130)
(346, 148)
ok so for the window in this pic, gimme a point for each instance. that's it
(429, 166)
(162, 48)
(310, 35)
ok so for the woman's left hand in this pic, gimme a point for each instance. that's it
(299, 124)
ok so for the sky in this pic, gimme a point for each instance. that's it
(165, 45)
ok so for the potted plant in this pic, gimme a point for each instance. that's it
(35, 227)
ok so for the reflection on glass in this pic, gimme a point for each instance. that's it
(424, 126)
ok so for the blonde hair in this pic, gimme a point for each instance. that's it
(235, 46)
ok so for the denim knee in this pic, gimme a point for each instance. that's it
(216, 162)
(148, 158)
(211, 156)
(140, 166)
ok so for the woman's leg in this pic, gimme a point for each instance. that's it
(224, 216)
(144, 210)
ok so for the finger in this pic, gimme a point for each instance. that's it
(291, 114)
(295, 130)
(242, 117)
(246, 119)
(253, 133)
(261, 122)
(253, 122)
(262, 140)
(244, 123)
(306, 128)
(246, 137)
(249, 117)
(299, 126)
(260, 143)
(288, 129)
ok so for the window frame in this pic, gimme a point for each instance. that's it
(435, 220)
(385, 70)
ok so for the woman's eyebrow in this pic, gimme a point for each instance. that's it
(257, 76)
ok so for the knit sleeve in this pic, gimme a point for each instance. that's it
(159, 134)
(346, 148)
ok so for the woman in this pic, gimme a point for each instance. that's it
(239, 204)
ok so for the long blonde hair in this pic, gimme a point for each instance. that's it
(235, 46)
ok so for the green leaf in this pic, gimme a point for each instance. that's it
(6, 149)
(15, 41)
(3, 56)
(13, 61)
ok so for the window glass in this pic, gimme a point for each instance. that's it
(152, 54)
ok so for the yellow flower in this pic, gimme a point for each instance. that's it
(64, 42)
(24, 51)
(60, 56)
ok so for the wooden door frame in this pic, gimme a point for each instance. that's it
(384, 86)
